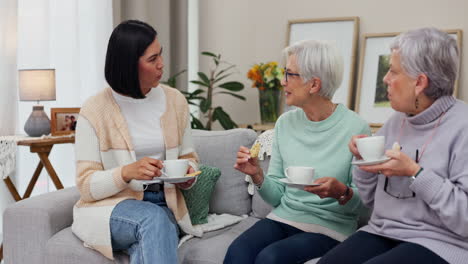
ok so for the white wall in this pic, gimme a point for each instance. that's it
(8, 96)
(70, 36)
(247, 32)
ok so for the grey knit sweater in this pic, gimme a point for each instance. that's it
(437, 216)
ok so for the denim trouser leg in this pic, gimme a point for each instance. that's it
(145, 229)
(269, 241)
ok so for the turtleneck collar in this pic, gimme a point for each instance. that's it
(440, 106)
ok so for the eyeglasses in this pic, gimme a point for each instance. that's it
(288, 74)
(401, 194)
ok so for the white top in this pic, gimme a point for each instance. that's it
(143, 118)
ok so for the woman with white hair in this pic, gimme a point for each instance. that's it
(305, 224)
(420, 196)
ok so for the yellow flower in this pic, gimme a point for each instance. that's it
(266, 75)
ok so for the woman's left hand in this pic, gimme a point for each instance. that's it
(187, 184)
(329, 187)
(399, 165)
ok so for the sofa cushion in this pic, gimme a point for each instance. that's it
(219, 149)
(212, 249)
(65, 247)
(198, 197)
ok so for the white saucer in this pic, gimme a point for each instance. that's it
(169, 179)
(297, 185)
(370, 162)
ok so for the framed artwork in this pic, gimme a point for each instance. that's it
(63, 120)
(344, 31)
(372, 103)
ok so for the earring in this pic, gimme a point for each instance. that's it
(416, 103)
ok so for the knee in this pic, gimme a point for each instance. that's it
(268, 256)
(157, 220)
(234, 251)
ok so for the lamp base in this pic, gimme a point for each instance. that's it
(38, 123)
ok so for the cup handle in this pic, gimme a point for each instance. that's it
(163, 170)
(286, 173)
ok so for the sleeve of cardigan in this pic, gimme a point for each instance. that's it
(93, 182)
(187, 151)
(272, 190)
(448, 195)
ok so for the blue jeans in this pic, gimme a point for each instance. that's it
(146, 229)
(269, 241)
(364, 247)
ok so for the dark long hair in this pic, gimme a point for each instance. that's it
(127, 44)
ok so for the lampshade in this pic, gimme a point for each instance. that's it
(37, 85)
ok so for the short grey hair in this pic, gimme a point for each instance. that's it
(319, 59)
(431, 52)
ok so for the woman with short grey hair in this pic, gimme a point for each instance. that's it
(306, 222)
(420, 195)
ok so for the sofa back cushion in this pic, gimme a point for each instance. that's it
(219, 149)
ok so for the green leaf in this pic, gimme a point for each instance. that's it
(207, 53)
(222, 77)
(205, 104)
(196, 92)
(196, 123)
(233, 94)
(204, 78)
(224, 70)
(200, 83)
(172, 81)
(197, 98)
(223, 118)
(232, 86)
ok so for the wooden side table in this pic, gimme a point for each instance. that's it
(41, 146)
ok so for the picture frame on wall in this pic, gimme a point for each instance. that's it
(371, 102)
(344, 31)
(63, 120)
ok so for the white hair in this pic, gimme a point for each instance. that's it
(433, 53)
(318, 59)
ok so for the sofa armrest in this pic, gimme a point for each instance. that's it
(30, 223)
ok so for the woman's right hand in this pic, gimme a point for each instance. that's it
(248, 165)
(352, 145)
(143, 169)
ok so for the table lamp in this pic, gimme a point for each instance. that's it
(37, 85)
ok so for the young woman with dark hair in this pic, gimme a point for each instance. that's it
(122, 136)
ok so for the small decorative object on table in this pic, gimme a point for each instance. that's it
(267, 78)
(64, 120)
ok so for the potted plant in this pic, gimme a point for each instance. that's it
(210, 85)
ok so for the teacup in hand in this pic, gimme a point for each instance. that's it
(175, 168)
(371, 148)
(300, 175)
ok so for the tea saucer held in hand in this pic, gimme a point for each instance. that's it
(169, 179)
(297, 185)
(370, 162)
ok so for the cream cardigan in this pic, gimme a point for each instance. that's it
(103, 147)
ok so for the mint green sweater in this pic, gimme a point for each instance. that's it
(324, 146)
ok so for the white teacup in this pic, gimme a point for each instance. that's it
(371, 148)
(175, 168)
(300, 175)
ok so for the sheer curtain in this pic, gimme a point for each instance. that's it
(8, 98)
(70, 36)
